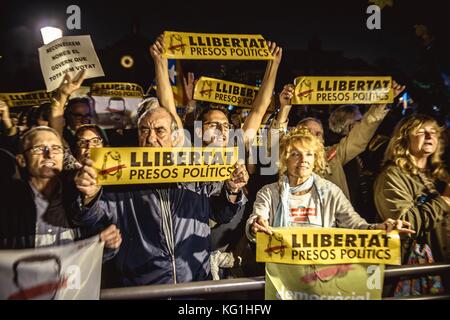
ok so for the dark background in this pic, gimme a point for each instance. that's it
(318, 38)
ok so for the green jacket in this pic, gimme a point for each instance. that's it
(397, 196)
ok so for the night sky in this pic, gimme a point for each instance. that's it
(339, 25)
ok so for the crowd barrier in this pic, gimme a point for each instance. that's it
(203, 289)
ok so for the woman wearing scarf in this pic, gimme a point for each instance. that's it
(301, 198)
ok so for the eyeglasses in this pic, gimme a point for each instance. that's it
(81, 115)
(215, 125)
(94, 142)
(40, 149)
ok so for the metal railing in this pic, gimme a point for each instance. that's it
(252, 284)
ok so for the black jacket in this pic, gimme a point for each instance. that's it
(18, 214)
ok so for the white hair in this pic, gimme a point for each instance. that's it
(342, 118)
(151, 105)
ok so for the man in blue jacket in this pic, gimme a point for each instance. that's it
(165, 230)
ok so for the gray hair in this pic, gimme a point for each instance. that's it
(305, 120)
(342, 118)
(148, 107)
(147, 103)
(30, 134)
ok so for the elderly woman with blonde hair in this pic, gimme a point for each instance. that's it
(407, 187)
(302, 197)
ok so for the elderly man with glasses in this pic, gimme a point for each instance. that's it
(36, 211)
(167, 236)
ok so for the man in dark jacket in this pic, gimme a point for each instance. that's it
(36, 211)
(165, 227)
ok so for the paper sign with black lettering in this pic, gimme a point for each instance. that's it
(183, 45)
(343, 90)
(70, 55)
(328, 246)
(118, 166)
(116, 103)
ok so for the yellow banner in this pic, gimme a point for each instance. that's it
(324, 282)
(116, 166)
(183, 45)
(343, 90)
(24, 99)
(117, 89)
(224, 92)
(328, 246)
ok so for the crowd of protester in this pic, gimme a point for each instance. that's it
(361, 178)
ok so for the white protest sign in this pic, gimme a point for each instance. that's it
(116, 103)
(68, 55)
(68, 272)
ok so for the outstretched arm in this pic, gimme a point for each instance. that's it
(92, 207)
(361, 133)
(285, 96)
(188, 87)
(10, 129)
(264, 95)
(278, 126)
(163, 87)
(68, 86)
(394, 200)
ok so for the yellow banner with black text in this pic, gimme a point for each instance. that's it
(24, 99)
(225, 92)
(117, 89)
(328, 246)
(36, 98)
(118, 166)
(183, 45)
(343, 90)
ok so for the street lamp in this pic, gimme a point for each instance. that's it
(50, 33)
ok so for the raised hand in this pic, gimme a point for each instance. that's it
(188, 87)
(397, 88)
(86, 180)
(239, 178)
(286, 95)
(4, 110)
(157, 49)
(276, 52)
(69, 85)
